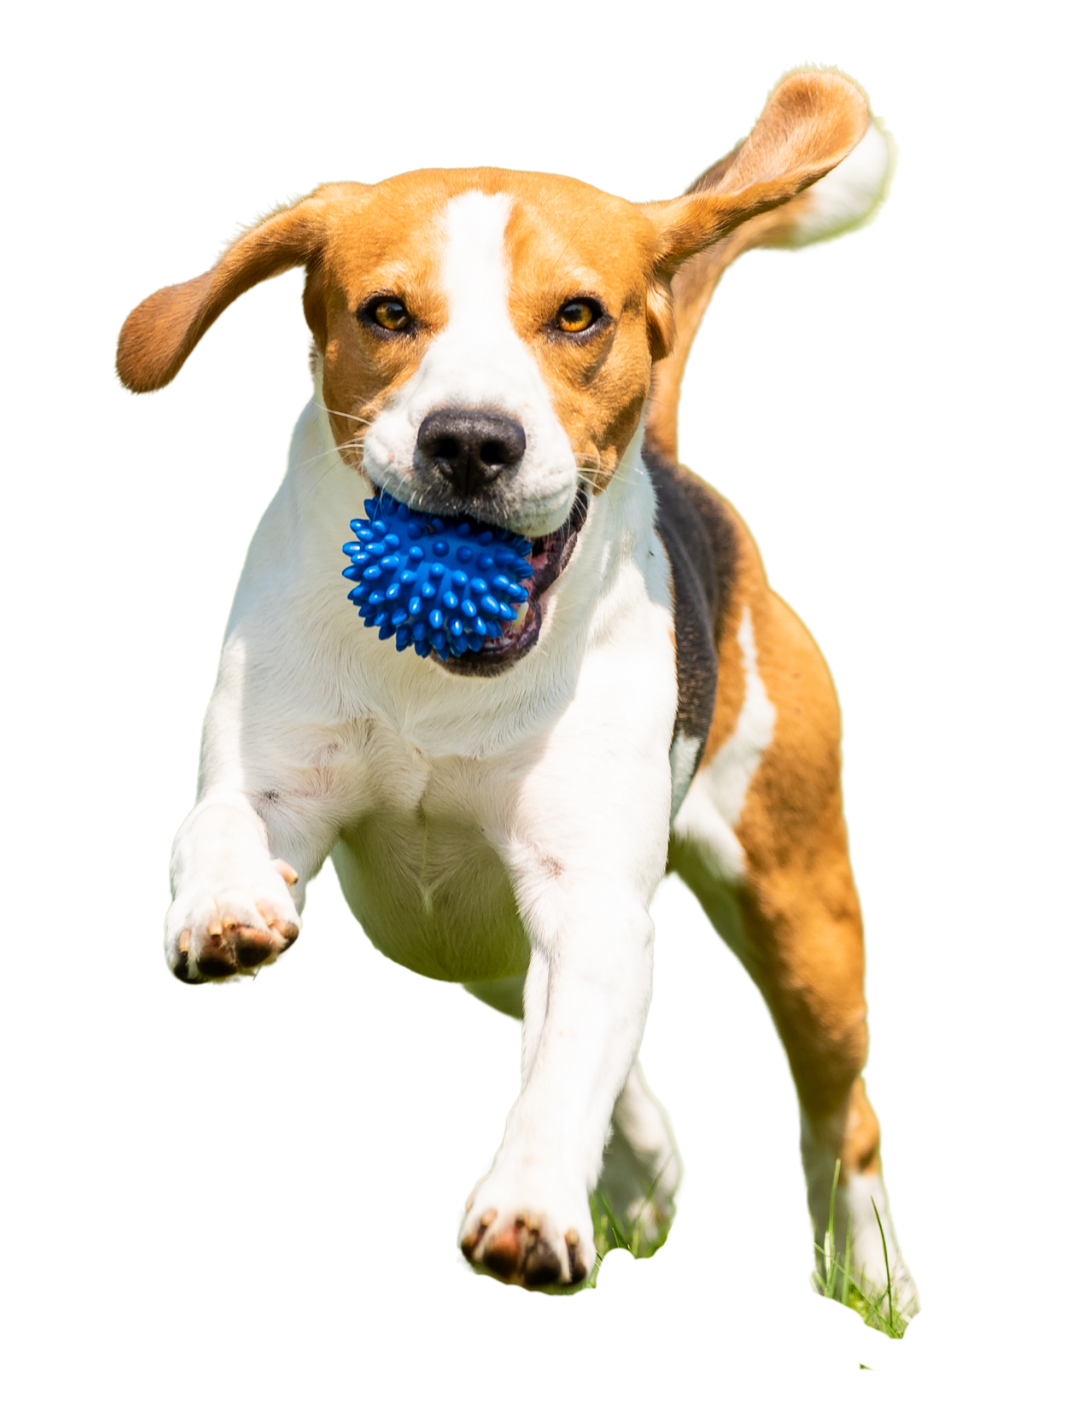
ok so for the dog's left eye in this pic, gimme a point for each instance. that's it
(391, 314)
(577, 315)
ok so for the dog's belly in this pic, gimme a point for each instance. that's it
(432, 895)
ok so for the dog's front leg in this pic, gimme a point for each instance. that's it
(236, 901)
(585, 1004)
(264, 822)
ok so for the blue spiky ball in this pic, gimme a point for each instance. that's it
(434, 582)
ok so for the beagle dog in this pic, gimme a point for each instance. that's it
(509, 347)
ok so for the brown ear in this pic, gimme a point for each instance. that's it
(160, 334)
(810, 123)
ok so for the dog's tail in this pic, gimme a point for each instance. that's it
(843, 200)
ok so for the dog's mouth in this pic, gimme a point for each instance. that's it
(549, 557)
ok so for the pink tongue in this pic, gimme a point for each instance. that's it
(540, 560)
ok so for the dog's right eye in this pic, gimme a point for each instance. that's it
(390, 314)
(577, 316)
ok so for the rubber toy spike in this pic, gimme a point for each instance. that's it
(438, 582)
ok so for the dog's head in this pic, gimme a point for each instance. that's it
(486, 338)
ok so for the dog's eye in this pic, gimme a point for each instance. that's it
(391, 314)
(577, 315)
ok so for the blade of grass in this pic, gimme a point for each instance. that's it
(887, 1267)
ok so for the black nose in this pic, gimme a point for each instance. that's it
(469, 447)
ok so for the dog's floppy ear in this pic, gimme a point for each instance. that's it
(160, 334)
(817, 167)
(812, 121)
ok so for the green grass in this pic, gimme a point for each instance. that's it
(839, 1282)
(875, 1311)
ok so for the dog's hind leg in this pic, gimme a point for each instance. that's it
(761, 841)
(806, 960)
(641, 1170)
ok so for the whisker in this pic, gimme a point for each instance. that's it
(339, 414)
(354, 445)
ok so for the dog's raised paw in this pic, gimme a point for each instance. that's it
(526, 1247)
(223, 932)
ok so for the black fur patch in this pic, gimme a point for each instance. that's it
(702, 550)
